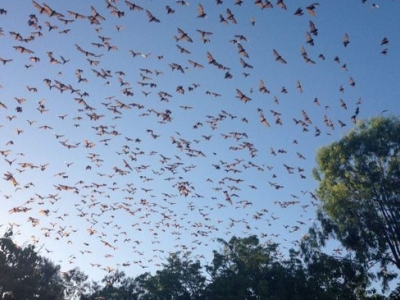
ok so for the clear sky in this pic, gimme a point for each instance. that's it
(123, 139)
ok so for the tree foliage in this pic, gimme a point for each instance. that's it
(245, 269)
(242, 269)
(180, 278)
(359, 187)
(75, 284)
(239, 270)
(26, 275)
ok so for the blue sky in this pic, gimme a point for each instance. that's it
(145, 195)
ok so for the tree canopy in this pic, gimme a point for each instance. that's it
(359, 188)
(241, 269)
(26, 275)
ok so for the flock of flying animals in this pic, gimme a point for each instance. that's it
(106, 194)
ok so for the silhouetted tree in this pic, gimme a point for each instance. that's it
(26, 275)
(76, 284)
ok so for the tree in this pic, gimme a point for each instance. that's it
(75, 284)
(332, 277)
(230, 268)
(337, 276)
(359, 188)
(180, 278)
(117, 286)
(147, 286)
(26, 275)
(245, 269)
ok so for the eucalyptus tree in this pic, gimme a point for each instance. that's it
(359, 190)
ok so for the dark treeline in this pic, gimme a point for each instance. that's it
(241, 269)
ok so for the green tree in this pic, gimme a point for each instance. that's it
(359, 188)
(245, 269)
(333, 277)
(117, 286)
(180, 278)
(236, 267)
(75, 284)
(147, 286)
(26, 275)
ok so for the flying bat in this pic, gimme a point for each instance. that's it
(200, 11)
(22, 49)
(346, 40)
(51, 12)
(133, 6)
(311, 9)
(230, 16)
(242, 96)
(184, 36)
(151, 17)
(278, 57)
(40, 8)
(313, 29)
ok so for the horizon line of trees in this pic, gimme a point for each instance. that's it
(241, 269)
